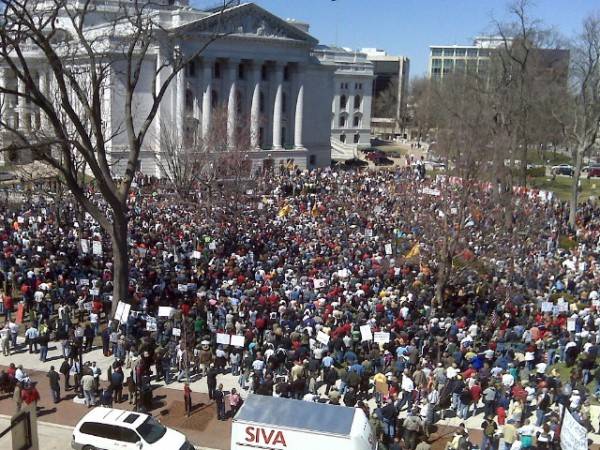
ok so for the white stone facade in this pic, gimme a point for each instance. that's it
(263, 73)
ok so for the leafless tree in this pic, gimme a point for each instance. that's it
(84, 63)
(581, 126)
(422, 105)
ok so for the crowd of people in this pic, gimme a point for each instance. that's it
(300, 267)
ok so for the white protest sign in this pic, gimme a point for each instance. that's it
(20, 219)
(165, 311)
(562, 307)
(95, 292)
(323, 338)
(388, 249)
(365, 332)
(429, 191)
(122, 312)
(237, 341)
(212, 246)
(571, 324)
(223, 338)
(196, 254)
(182, 287)
(319, 283)
(547, 306)
(84, 282)
(97, 248)
(573, 436)
(88, 306)
(85, 248)
(381, 337)
(176, 332)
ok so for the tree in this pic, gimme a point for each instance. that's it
(581, 125)
(422, 105)
(193, 160)
(84, 64)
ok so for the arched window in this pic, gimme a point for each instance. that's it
(342, 121)
(357, 100)
(356, 121)
(356, 138)
(189, 100)
(343, 102)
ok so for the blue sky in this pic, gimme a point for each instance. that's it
(408, 27)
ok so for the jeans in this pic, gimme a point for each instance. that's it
(235, 369)
(539, 417)
(56, 394)
(551, 354)
(89, 398)
(463, 411)
(390, 427)
(43, 353)
(587, 376)
(221, 410)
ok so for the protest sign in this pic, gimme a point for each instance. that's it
(237, 341)
(88, 306)
(573, 436)
(381, 337)
(547, 306)
(388, 249)
(176, 332)
(196, 254)
(365, 332)
(151, 324)
(84, 246)
(319, 283)
(165, 311)
(571, 324)
(122, 312)
(97, 248)
(223, 338)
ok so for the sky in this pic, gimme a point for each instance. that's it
(409, 27)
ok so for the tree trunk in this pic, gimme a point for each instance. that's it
(575, 188)
(120, 259)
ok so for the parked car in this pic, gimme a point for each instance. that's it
(593, 171)
(116, 429)
(562, 169)
(383, 161)
(355, 163)
(368, 150)
(375, 155)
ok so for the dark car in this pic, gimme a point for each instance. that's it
(563, 169)
(375, 155)
(355, 163)
(383, 161)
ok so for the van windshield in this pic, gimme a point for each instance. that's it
(151, 431)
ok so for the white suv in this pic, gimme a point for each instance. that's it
(115, 429)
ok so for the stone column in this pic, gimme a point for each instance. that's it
(255, 108)
(3, 97)
(232, 70)
(278, 79)
(299, 113)
(207, 73)
(180, 103)
(43, 87)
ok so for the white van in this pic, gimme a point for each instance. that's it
(115, 429)
(274, 423)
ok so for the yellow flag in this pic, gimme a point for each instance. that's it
(415, 251)
(284, 211)
(314, 211)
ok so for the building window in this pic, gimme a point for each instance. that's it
(448, 52)
(217, 70)
(343, 102)
(342, 122)
(436, 52)
(356, 121)
(460, 52)
(356, 138)
(286, 73)
(189, 100)
(263, 73)
(357, 101)
(343, 138)
(191, 69)
(436, 62)
(261, 102)
(312, 160)
(472, 52)
(241, 73)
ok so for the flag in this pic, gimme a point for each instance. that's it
(284, 211)
(415, 251)
(314, 211)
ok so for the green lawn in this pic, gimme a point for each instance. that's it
(561, 186)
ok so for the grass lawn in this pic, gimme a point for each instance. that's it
(561, 186)
(548, 158)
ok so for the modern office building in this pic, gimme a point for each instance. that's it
(352, 97)
(390, 93)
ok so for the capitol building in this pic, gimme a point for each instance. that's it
(263, 72)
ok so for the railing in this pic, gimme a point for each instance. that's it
(342, 151)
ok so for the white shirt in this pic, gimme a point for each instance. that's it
(93, 317)
(407, 384)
